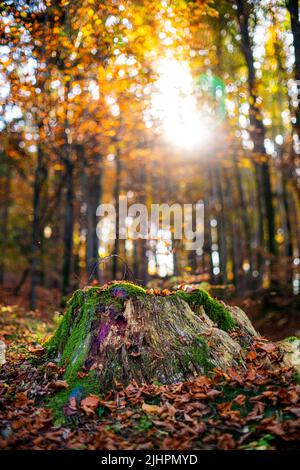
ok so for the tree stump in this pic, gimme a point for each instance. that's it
(122, 332)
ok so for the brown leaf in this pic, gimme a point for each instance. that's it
(268, 347)
(295, 411)
(213, 393)
(240, 399)
(89, 404)
(135, 354)
(276, 429)
(51, 365)
(234, 375)
(61, 384)
(151, 408)
(251, 375)
(37, 350)
(80, 375)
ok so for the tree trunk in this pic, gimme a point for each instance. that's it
(69, 207)
(222, 226)
(91, 182)
(244, 215)
(4, 214)
(293, 8)
(257, 128)
(116, 198)
(39, 180)
(122, 333)
(68, 229)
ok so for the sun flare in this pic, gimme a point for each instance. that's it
(174, 102)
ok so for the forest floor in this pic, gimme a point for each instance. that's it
(252, 407)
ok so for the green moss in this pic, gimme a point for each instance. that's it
(132, 290)
(297, 378)
(198, 354)
(264, 443)
(144, 424)
(195, 354)
(71, 342)
(291, 339)
(70, 346)
(88, 384)
(216, 311)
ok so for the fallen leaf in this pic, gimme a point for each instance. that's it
(234, 375)
(37, 350)
(89, 404)
(51, 365)
(251, 356)
(295, 411)
(61, 384)
(151, 408)
(268, 347)
(276, 429)
(240, 399)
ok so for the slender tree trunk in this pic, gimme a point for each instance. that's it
(116, 198)
(283, 167)
(143, 244)
(222, 226)
(243, 213)
(213, 215)
(294, 10)
(21, 282)
(39, 180)
(257, 130)
(208, 265)
(92, 182)
(96, 196)
(4, 215)
(69, 224)
(135, 260)
(284, 196)
(234, 229)
(69, 207)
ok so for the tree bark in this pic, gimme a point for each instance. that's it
(91, 183)
(39, 180)
(293, 8)
(123, 333)
(69, 224)
(117, 189)
(4, 213)
(257, 129)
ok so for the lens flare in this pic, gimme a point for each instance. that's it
(174, 103)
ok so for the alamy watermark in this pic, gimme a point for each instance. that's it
(185, 221)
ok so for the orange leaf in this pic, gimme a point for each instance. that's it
(234, 375)
(252, 355)
(151, 408)
(37, 350)
(89, 404)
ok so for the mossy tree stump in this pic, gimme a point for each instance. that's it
(122, 333)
